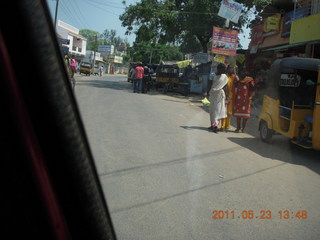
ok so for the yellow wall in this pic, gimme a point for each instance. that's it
(305, 29)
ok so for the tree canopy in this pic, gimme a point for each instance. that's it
(188, 23)
(108, 37)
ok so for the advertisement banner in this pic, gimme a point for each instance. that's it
(219, 58)
(230, 10)
(224, 41)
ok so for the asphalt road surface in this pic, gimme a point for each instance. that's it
(165, 176)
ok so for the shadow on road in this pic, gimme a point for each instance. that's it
(281, 149)
(196, 128)
(115, 85)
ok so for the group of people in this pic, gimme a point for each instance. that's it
(230, 95)
(141, 77)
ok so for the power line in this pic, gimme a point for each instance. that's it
(79, 13)
(69, 13)
(75, 14)
(102, 9)
(107, 4)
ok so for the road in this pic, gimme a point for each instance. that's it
(164, 174)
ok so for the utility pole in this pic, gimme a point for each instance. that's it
(94, 51)
(56, 14)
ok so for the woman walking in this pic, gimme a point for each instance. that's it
(217, 97)
(232, 78)
(244, 91)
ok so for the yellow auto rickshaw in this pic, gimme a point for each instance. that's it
(167, 76)
(85, 68)
(291, 105)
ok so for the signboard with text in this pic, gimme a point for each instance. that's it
(109, 49)
(230, 10)
(224, 41)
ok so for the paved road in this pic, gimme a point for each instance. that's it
(164, 174)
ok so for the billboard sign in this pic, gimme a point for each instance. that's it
(224, 41)
(106, 49)
(230, 10)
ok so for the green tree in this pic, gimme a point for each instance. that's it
(154, 53)
(185, 22)
(92, 38)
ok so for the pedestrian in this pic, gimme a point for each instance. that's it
(73, 67)
(244, 91)
(232, 78)
(217, 96)
(137, 85)
(145, 79)
(101, 70)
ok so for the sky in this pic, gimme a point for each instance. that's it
(99, 15)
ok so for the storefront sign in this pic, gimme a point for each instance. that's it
(230, 10)
(272, 23)
(305, 29)
(109, 49)
(224, 41)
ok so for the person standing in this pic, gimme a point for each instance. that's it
(232, 78)
(73, 67)
(217, 97)
(244, 91)
(145, 79)
(139, 73)
(101, 70)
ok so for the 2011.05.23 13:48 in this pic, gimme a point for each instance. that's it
(262, 214)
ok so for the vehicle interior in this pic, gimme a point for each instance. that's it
(49, 182)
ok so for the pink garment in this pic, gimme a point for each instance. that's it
(73, 64)
(139, 72)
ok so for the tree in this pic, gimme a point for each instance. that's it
(92, 38)
(186, 22)
(147, 52)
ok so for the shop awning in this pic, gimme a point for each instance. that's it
(285, 47)
(183, 64)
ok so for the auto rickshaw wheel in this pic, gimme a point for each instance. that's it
(265, 132)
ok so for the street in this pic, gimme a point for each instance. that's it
(164, 174)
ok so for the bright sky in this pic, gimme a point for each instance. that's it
(99, 15)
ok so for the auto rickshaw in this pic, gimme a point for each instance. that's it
(291, 105)
(85, 68)
(167, 76)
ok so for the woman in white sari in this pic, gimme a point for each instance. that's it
(217, 97)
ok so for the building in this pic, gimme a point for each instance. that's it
(77, 44)
(96, 59)
(289, 28)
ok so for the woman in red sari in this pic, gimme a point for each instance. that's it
(244, 90)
